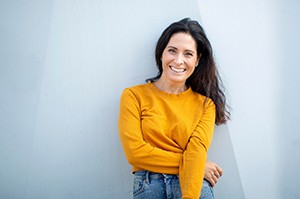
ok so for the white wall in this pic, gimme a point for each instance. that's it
(257, 44)
(63, 65)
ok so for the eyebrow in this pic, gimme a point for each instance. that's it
(191, 51)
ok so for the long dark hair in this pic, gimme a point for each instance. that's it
(205, 78)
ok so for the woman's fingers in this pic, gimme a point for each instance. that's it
(219, 170)
(212, 173)
(211, 181)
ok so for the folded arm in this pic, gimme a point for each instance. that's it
(138, 152)
(191, 171)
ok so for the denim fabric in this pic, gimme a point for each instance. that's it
(207, 191)
(149, 185)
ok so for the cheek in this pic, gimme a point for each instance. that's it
(166, 60)
(192, 70)
(192, 64)
(165, 57)
(195, 62)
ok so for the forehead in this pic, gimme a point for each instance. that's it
(182, 40)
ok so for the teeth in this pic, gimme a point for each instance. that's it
(178, 70)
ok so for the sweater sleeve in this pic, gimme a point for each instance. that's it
(191, 169)
(138, 152)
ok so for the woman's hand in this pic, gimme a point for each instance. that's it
(212, 172)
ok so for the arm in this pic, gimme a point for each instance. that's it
(191, 169)
(138, 152)
(212, 172)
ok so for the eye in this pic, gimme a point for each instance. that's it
(188, 54)
(172, 51)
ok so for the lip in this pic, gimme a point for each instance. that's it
(177, 70)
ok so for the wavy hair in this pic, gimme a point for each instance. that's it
(205, 79)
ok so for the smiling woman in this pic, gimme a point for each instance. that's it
(179, 60)
(166, 125)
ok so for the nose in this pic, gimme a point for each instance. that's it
(179, 59)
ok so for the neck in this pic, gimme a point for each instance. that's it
(170, 88)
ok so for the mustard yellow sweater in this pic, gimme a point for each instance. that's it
(167, 133)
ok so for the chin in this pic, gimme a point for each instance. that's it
(178, 80)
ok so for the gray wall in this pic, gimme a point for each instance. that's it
(257, 45)
(63, 65)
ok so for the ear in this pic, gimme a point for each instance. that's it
(198, 59)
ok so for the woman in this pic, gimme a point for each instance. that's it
(166, 125)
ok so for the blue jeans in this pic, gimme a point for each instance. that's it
(149, 185)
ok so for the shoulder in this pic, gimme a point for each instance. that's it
(202, 98)
(206, 101)
(136, 89)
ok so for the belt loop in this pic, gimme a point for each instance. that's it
(147, 180)
(166, 177)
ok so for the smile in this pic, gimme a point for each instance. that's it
(177, 70)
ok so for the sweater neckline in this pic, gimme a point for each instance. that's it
(183, 94)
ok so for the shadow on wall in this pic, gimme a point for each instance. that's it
(221, 152)
(288, 141)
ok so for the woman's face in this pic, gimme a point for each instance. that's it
(179, 58)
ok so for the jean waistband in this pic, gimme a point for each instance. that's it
(148, 175)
